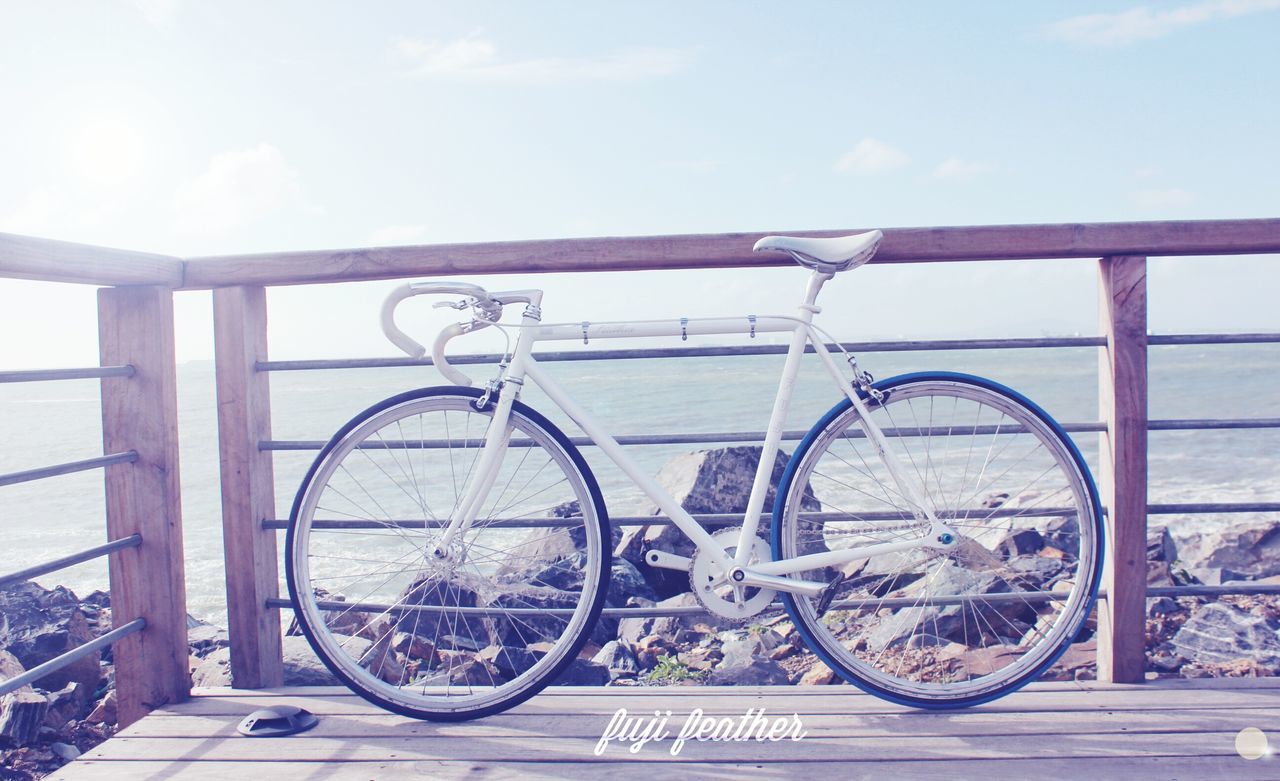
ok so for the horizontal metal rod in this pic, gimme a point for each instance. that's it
(68, 468)
(904, 345)
(1210, 508)
(795, 435)
(1232, 338)
(848, 604)
(706, 519)
(45, 375)
(75, 654)
(1240, 588)
(132, 541)
(656, 610)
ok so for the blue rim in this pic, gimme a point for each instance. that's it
(788, 600)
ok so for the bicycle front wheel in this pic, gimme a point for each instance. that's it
(507, 607)
(943, 628)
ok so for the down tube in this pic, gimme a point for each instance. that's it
(692, 529)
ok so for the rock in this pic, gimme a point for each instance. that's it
(1162, 606)
(40, 624)
(1021, 542)
(509, 661)
(22, 712)
(1247, 550)
(744, 670)
(818, 675)
(1219, 632)
(523, 630)
(954, 622)
(1160, 545)
(214, 670)
(705, 481)
(204, 639)
(105, 711)
(64, 751)
(1078, 662)
(303, 668)
(65, 705)
(650, 648)
(433, 592)
(618, 660)
(626, 582)
(630, 630)
(463, 669)
(582, 672)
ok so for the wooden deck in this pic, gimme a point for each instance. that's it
(1166, 729)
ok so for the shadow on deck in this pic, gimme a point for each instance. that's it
(1162, 729)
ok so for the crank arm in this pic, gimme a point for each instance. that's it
(805, 588)
(660, 558)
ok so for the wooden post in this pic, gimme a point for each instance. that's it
(248, 493)
(1122, 394)
(135, 327)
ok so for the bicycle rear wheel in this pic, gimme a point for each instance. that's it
(944, 628)
(488, 626)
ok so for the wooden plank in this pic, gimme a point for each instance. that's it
(1213, 768)
(248, 486)
(1025, 703)
(732, 250)
(135, 328)
(977, 724)
(27, 257)
(536, 747)
(1122, 480)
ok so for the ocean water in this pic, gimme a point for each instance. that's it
(47, 423)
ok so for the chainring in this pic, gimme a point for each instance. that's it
(713, 590)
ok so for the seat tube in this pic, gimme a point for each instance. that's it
(778, 419)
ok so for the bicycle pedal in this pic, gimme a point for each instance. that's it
(828, 594)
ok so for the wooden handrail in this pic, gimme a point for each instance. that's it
(731, 250)
(27, 257)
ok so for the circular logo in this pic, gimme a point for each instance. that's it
(1251, 743)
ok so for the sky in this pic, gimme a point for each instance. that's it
(211, 128)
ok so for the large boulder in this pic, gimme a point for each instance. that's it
(1241, 551)
(970, 624)
(705, 481)
(1218, 633)
(37, 624)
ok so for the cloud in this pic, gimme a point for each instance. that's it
(238, 188)
(1162, 199)
(38, 214)
(871, 156)
(692, 166)
(475, 59)
(956, 168)
(1144, 23)
(393, 235)
(158, 13)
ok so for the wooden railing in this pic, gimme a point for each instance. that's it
(138, 333)
(140, 464)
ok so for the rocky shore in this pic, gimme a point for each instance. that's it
(44, 726)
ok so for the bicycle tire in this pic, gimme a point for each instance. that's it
(389, 479)
(928, 628)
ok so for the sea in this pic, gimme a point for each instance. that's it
(52, 422)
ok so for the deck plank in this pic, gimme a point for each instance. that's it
(1165, 729)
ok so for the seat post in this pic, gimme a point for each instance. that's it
(816, 280)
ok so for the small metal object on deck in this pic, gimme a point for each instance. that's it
(277, 722)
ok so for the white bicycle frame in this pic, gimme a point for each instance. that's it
(766, 575)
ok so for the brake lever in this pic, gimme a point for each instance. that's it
(450, 304)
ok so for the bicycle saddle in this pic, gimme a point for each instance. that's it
(826, 255)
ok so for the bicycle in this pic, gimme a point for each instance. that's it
(936, 539)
